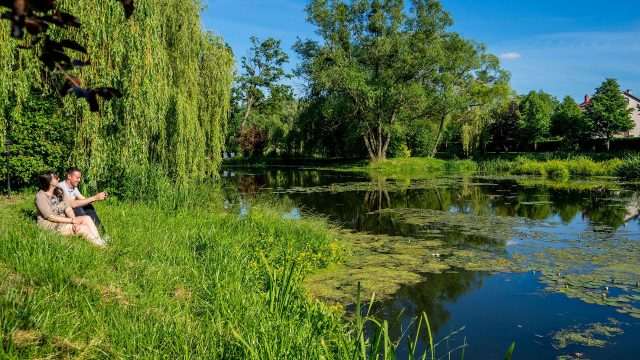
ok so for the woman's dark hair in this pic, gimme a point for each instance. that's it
(45, 180)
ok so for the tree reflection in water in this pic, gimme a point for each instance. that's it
(431, 296)
(354, 203)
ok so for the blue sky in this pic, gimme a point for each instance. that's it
(563, 47)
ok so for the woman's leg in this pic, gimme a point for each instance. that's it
(88, 230)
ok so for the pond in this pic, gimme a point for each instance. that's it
(551, 265)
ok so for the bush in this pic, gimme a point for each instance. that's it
(529, 167)
(609, 167)
(556, 169)
(585, 167)
(42, 141)
(628, 169)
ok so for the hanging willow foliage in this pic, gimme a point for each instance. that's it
(176, 80)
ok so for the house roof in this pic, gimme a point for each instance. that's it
(587, 99)
(631, 96)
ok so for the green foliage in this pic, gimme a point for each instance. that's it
(260, 101)
(583, 166)
(381, 66)
(554, 166)
(42, 140)
(529, 168)
(556, 169)
(171, 284)
(420, 166)
(399, 150)
(176, 80)
(504, 129)
(607, 112)
(536, 109)
(495, 166)
(262, 70)
(321, 129)
(628, 169)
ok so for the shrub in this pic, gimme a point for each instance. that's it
(42, 140)
(628, 169)
(529, 167)
(584, 166)
(609, 167)
(253, 141)
(556, 169)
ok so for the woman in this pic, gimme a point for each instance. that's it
(56, 214)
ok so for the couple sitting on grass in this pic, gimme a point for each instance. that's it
(63, 209)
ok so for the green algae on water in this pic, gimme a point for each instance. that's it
(593, 335)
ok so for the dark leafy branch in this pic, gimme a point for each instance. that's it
(36, 17)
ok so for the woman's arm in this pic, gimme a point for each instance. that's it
(61, 219)
(69, 212)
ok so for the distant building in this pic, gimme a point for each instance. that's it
(633, 102)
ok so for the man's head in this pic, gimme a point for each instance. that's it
(73, 176)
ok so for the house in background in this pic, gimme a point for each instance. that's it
(633, 102)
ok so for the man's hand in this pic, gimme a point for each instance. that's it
(100, 196)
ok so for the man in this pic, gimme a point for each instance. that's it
(81, 205)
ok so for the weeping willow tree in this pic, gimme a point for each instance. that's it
(176, 80)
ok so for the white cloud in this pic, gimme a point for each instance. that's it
(510, 56)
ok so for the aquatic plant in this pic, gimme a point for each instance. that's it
(556, 169)
(495, 167)
(584, 166)
(593, 335)
(628, 169)
(528, 167)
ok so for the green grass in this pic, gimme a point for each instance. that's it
(174, 283)
(553, 168)
(580, 166)
(399, 167)
(171, 284)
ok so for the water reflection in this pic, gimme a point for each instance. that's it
(354, 203)
(431, 296)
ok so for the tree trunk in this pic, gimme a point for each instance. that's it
(376, 143)
(386, 145)
(439, 136)
(368, 145)
(247, 112)
(535, 146)
(608, 143)
(379, 144)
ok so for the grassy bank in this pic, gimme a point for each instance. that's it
(579, 166)
(627, 169)
(202, 283)
(170, 285)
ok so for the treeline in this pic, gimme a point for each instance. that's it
(167, 128)
(525, 121)
(388, 80)
(385, 79)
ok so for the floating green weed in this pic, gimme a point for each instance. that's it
(593, 335)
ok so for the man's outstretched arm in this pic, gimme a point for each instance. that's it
(82, 201)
